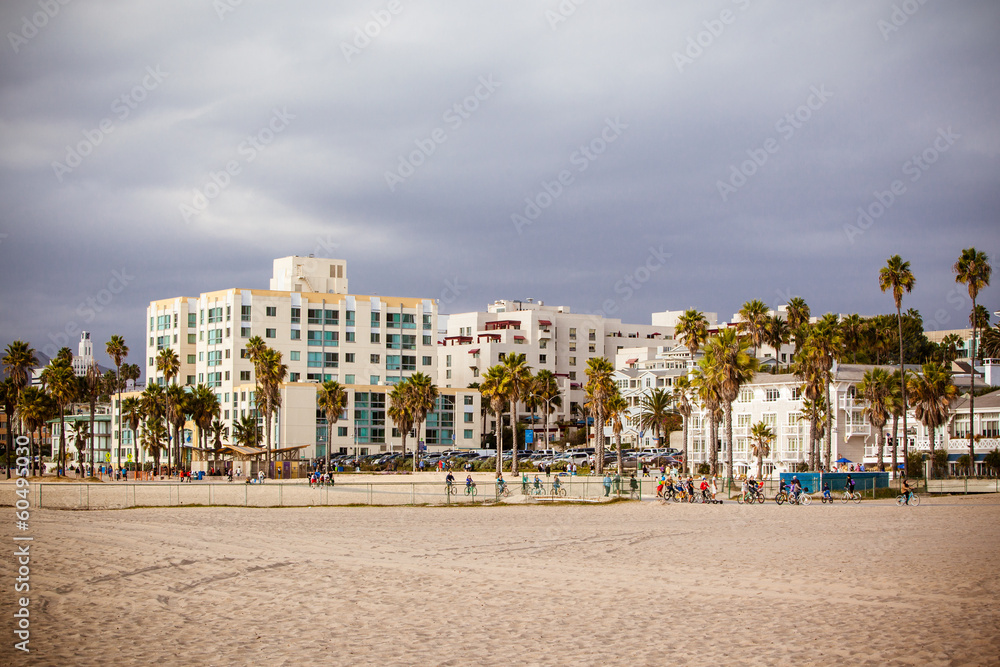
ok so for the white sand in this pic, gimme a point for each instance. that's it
(635, 584)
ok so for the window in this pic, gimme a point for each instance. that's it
(592, 348)
(228, 312)
(427, 340)
(350, 336)
(572, 347)
(375, 320)
(746, 395)
(591, 334)
(245, 313)
(392, 341)
(376, 337)
(192, 320)
(373, 379)
(349, 358)
(542, 344)
(468, 399)
(743, 421)
(215, 357)
(214, 336)
(469, 417)
(190, 379)
(244, 376)
(214, 315)
(294, 355)
(425, 361)
(572, 333)
(296, 334)
(191, 358)
(349, 318)
(447, 374)
(270, 333)
(409, 363)
(294, 377)
(541, 359)
(214, 380)
(409, 321)
(375, 359)
(349, 379)
(572, 375)
(427, 322)
(270, 311)
(409, 342)
(342, 431)
(771, 394)
(244, 332)
(315, 360)
(392, 320)
(796, 393)
(392, 362)
(296, 315)
(447, 360)
(572, 361)
(325, 338)
(192, 339)
(467, 434)
(331, 359)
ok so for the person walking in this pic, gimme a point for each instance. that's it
(607, 485)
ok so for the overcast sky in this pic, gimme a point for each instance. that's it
(623, 157)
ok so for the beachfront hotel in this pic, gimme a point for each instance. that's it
(367, 343)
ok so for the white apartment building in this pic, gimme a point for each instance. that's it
(550, 337)
(367, 343)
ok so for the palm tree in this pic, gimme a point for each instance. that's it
(400, 410)
(19, 361)
(761, 437)
(692, 330)
(169, 365)
(255, 350)
(654, 408)
(34, 408)
(798, 319)
(989, 343)
(219, 431)
(827, 345)
(205, 408)
(131, 413)
(422, 396)
(130, 372)
(245, 431)
(118, 351)
(273, 374)
(546, 391)
(974, 270)
(93, 386)
(896, 275)
(599, 387)
(77, 435)
(706, 386)
(331, 398)
(894, 402)
(518, 381)
(682, 400)
(60, 381)
(735, 367)
(8, 394)
(931, 395)
(494, 390)
(949, 348)
(876, 390)
(178, 408)
(776, 334)
(154, 439)
(617, 411)
(852, 330)
(753, 322)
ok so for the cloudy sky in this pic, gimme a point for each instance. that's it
(623, 157)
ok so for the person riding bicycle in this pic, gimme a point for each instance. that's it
(690, 487)
(850, 485)
(907, 492)
(449, 480)
(500, 483)
(826, 490)
(704, 488)
(556, 485)
(782, 486)
(796, 488)
(468, 482)
(745, 488)
(538, 483)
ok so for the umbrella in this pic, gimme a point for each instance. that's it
(843, 460)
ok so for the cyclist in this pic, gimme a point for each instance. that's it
(796, 487)
(745, 488)
(668, 489)
(907, 492)
(782, 487)
(690, 488)
(538, 483)
(704, 489)
(500, 483)
(850, 485)
(449, 480)
(633, 483)
(468, 482)
(556, 485)
(826, 490)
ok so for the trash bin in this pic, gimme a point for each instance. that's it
(340, 468)
(201, 475)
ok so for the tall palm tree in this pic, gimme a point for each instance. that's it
(617, 412)
(761, 437)
(245, 432)
(178, 408)
(692, 331)
(753, 322)
(989, 343)
(331, 398)
(654, 408)
(494, 389)
(400, 410)
(931, 395)
(546, 391)
(808, 367)
(154, 440)
(167, 363)
(34, 408)
(706, 388)
(600, 387)
(19, 361)
(949, 348)
(60, 381)
(896, 275)
(8, 394)
(776, 334)
(827, 345)
(118, 351)
(798, 319)
(894, 403)
(93, 386)
(852, 330)
(273, 374)
(131, 414)
(255, 355)
(219, 432)
(974, 270)
(77, 435)
(518, 381)
(130, 372)
(422, 396)
(681, 397)
(876, 390)
(735, 367)
(205, 409)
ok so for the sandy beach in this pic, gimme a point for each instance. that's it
(624, 583)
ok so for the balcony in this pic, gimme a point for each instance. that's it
(981, 445)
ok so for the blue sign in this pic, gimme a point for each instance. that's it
(529, 436)
(421, 446)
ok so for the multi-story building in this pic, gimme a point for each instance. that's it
(551, 338)
(367, 343)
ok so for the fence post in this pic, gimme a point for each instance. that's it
(369, 494)
(281, 489)
(88, 496)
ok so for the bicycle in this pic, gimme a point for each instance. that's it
(781, 497)
(503, 491)
(851, 495)
(559, 491)
(914, 499)
(759, 495)
(827, 498)
(746, 498)
(471, 490)
(802, 499)
(451, 489)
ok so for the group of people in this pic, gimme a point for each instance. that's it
(684, 489)
(321, 478)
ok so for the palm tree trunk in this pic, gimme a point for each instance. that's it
(931, 438)
(713, 453)
(93, 406)
(813, 426)
(902, 380)
(829, 428)
(728, 416)
(684, 445)
(404, 442)
(599, 455)
(879, 442)
(61, 459)
(267, 425)
(499, 437)
(513, 436)
(895, 443)
(972, 390)
(618, 445)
